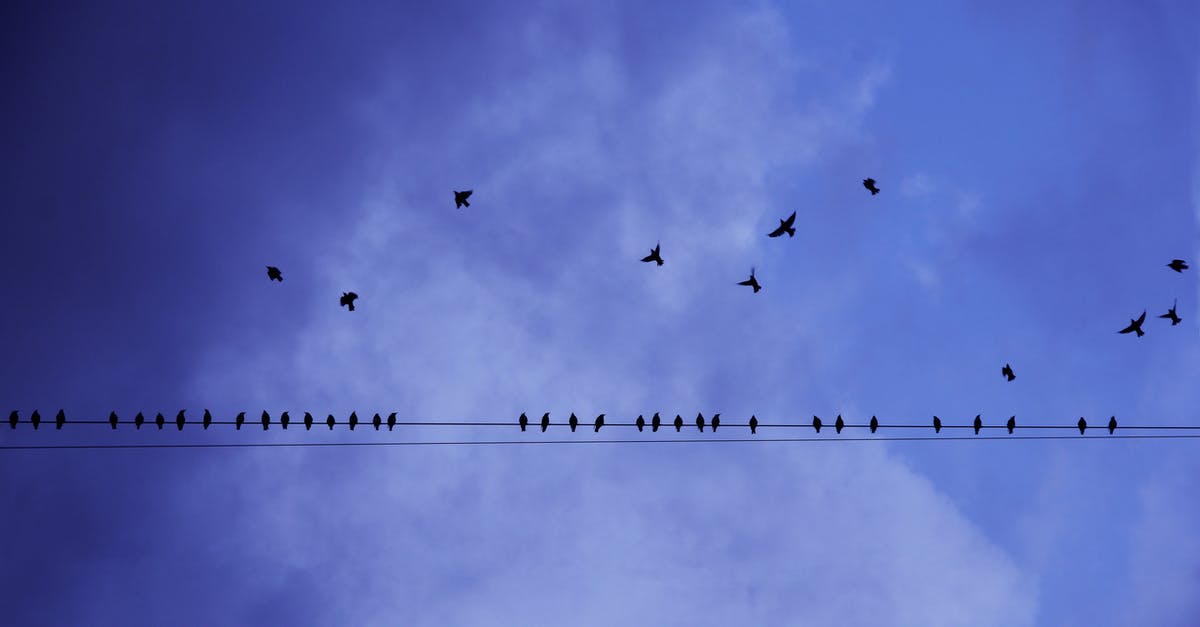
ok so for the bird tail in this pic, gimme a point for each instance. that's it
(351, 305)
(1139, 332)
(659, 261)
(466, 204)
(874, 191)
(791, 232)
(756, 288)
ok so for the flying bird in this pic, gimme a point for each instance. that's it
(179, 420)
(817, 424)
(391, 420)
(353, 420)
(1007, 372)
(937, 424)
(1012, 424)
(874, 424)
(1112, 424)
(700, 422)
(655, 255)
(599, 422)
(978, 424)
(655, 423)
(753, 424)
(36, 419)
(641, 423)
(330, 421)
(1135, 325)
(785, 226)
(523, 421)
(1178, 265)
(112, 419)
(751, 282)
(159, 420)
(348, 299)
(460, 199)
(308, 421)
(377, 421)
(266, 419)
(1082, 425)
(207, 419)
(12, 419)
(1171, 315)
(870, 185)
(284, 419)
(240, 420)
(138, 420)
(273, 274)
(59, 419)
(678, 423)
(545, 421)
(573, 421)
(838, 424)
(716, 421)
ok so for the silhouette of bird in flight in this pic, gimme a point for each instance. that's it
(274, 274)
(817, 424)
(353, 420)
(1082, 425)
(937, 424)
(700, 422)
(753, 424)
(573, 421)
(36, 419)
(751, 282)
(460, 199)
(978, 424)
(655, 255)
(266, 419)
(1135, 325)
(716, 422)
(545, 421)
(59, 419)
(523, 421)
(391, 420)
(348, 299)
(308, 421)
(240, 420)
(874, 424)
(138, 420)
(377, 421)
(1178, 265)
(1171, 315)
(655, 423)
(159, 420)
(838, 424)
(330, 421)
(207, 419)
(179, 420)
(785, 226)
(1012, 424)
(112, 419)
(678, 423)
(641, 423)
(1007, 372)
(1112, 424)
(599, 423)
(284, 419)
(870, 185)
(12, 419)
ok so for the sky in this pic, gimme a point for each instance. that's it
(1038, 167)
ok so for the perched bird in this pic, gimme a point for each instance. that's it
(700, 422)
(655, 255)
(655, 423)
(785, 226)
(599, 422)
(392, 421)
(266, 420)
(1082, 425)
(641, 423)
(353, 420)
(573, 421)
(817, 424)
(523, 421)
(460, 199)
(751, 282)
(59, 419)
(753, 424)
(838, 424)
(716, 421)
(240, 420)
(678, 423)
(978, 424)
(330, 421)
(159, 420)
(937, 424)
(112, 419)
(274, 274)
(12, 419)
(1012, 424)
(1112, 424)
(35, 418)
(1135, 325)
(545, 421)
(1178, 265)
(179, 420)
(207, 419)
(1171, 315)
(308, 421)
(1007, 372)
(874, 424)
(870, 185)
(138, 420)
(377, 421)
(348, 299)
(284, 419)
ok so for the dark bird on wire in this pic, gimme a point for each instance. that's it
(838, 424)
(523, 421)
(112, 419)
(545, 421)
(138, 420)
(678, 423)
(599, 422)
(1082, 425)
(1171, 315)
(348, 299)
(35, 418)
(870, 185)
(753, 424)
(751, 282)
(817, 424)
(1135, 325)
(716, 422)
(12, 419)
(266, 420)
(377, 421)
(1112, 424)
(239, 421)
(308, 421)
(573, 422)
(179, 420)
(1178, 265)
(874, 424)
(274, 274)
(655, 255)
(655, 423)
(1007, 372)
(353, 420)
(700, 422)
(785, 226)
(284, 419)
(978, 424)
(1012, 424)
(159, 420)
(641, 423)
(937, 424)
(460, 199)
(391, 420)
(330, 421)
(59, 419)
(207, 419)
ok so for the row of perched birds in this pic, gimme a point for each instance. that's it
(1135, 324)
(378, 421)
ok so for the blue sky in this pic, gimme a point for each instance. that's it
(1038, 167)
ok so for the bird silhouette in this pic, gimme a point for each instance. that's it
(377, 421)
(348, 299)
(284, 419)
(1112, 424)
(655, 423)
(159, 420)
(545, 421)
(655, 255)
(1082, 425)
(678, 423)
(1135, 325)
(179, 420)
(838, 424)
(308, 421)
(817, 424)
(460, 199)
(785, 226)
(937, 424)
(753, 424)
(978, 424)
(751, 282)
(874, 424)
(112, 419)
(870, 185)
(330, 421)
(700, 422)
(207, 419)
(1171, 315)
(274, 274)
(1178, 265)
(36, 419)
(12, 419)
(573, 421)
(641, 423)
(1012, 424)
(392, 421)
(266, 420)
(240, 420)
(138, 420)
(59, 419)
(523, 421)
(716, 422)
(353, 420)
(1007, 372)
(599, 422)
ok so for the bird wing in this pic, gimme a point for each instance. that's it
(1127, 329)
(791, 219)
(779, 231)
(1142, 318)
(649, 257)
(749, 282)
